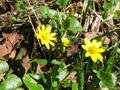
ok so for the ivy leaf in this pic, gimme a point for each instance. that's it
(11, 83)
(3, 66)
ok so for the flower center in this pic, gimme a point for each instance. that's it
(92, 49)
(44, 36)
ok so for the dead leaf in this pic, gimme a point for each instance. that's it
(96, 24)
(98, 1)
(110, 20)
(91, 35)
(93, 24)
(12, 54)
(72, 49)
(9, 43)
(88, 22)
(25, 63)
(117, 6)
(38, 69)
(72, 76)
(2, 76)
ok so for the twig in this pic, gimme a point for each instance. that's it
(34, 12)
(36, 37)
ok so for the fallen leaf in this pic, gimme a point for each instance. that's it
(12, 54)
(98, 1)
(2, 76)
(25, 63)
(8, 44)
(72, 49)
(72, 76)
(91, 35)
(117, 6)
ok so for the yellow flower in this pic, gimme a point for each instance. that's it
(45, 36)
(93, 49)
(65, 41)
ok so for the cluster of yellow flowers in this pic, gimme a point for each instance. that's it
(47, 38)
(93, 49)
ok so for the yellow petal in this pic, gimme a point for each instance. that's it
(101, 50)
(87, 41)
(51, 43)
(38, 28)
(53, 34)
(65, 41)
(38, 36)
(99, 44)
(99, 56)
(48, 29)
(43, 42)
(47, 46)
(85, 47)
(94, 58)
(87, 54)
(43, 27)
(94, 41)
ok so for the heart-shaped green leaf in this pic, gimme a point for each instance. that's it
(3, 66)
(10, 83)
(31, 83)
(107, 79)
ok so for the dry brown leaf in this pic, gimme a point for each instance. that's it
(72, 49)
(25, 63)
(72, 76)
(95, 26)
(110, 20)
(38, 69)
(117, 6)
(42, 68)
(10, 41)
(12, 54)
(98, 1)
(88, 22)
(2, 76)
(91, 35)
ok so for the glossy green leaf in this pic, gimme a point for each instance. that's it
(74, 86)
(31, 84)
(67, 83)
(10, 83)
(54, 84)
(21, 53)
(4, 67)
(107, 5)
(18, 89)
(62, 3)
(44, 11)
(40, 61)
(20, 5)
(62, 74)
(107, 79)
(72, 24)
(51, 13)
(56, 62)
